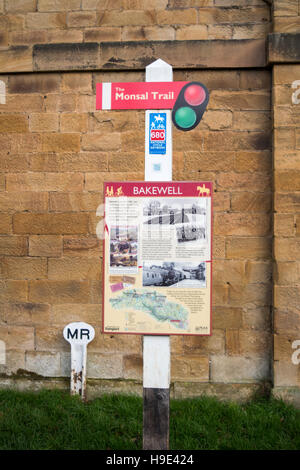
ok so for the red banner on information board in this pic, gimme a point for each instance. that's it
(159, 189)
(137, 95)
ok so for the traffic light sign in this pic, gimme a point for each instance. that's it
(190, 106)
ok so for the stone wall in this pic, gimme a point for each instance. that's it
(27, 22)
(284, 54)
(56, 151)
(286, 229)
(286, 16)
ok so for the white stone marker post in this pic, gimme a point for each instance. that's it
(78, 334)
(156, 349)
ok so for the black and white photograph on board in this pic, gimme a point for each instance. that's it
(187, 233)
(174, 274)
(164, 211)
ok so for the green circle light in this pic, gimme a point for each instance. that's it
(185, 117)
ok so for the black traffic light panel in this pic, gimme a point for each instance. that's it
(190, 106)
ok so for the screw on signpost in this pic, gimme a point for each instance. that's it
(156, 351)
(78, 334)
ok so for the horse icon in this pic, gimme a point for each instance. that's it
(159, 118)
(203, 190)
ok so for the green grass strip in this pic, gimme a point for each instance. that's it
(55, 420)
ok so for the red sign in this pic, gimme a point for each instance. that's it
(158, 135)
(137, 95)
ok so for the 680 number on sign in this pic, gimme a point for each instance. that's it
(158, 135)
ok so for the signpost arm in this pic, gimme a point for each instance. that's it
(156, 349)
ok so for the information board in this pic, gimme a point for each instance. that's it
(157, 258)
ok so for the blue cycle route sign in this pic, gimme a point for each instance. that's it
(157, 133)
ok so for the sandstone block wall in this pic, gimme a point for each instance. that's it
(75, 21)
(56, 151)
(286, 152)
(286, 225)
(286, 16)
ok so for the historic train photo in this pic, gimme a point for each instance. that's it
(169, 274)
(159, 276)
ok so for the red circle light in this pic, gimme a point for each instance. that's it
(194, 95)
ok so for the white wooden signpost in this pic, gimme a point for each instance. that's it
(156, 349)
(78, 334)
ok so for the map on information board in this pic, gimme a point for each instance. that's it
(157, 258)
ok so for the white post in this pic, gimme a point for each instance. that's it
(156, 351)
(78, 334)
(2, 352)
(2, 92)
